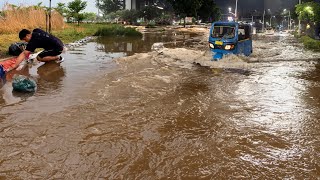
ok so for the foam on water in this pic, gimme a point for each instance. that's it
(228, 61)
(186, 58)
(280, 47)
(274, 48)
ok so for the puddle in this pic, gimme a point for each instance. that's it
(85, 63)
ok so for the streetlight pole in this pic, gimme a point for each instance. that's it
(230, 11)
(271, 20)
(236, 11)
(269, 12)
(264, 13)
(299, 26)
(49, 16)
(98, 15)
(289, 20)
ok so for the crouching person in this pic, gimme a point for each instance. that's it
(52, 46)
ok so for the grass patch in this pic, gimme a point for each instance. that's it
(5, 41)
(75, 32)
(117, 30)
(70, 33)
(310, 43)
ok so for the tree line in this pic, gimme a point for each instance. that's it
(161, 11)
(309, 14)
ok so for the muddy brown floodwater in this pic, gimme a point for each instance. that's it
(167, 114)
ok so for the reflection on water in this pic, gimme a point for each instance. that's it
(279, 96)
(84, 62)
(130, 46)
(50, 77)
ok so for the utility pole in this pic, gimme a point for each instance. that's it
(264, 13)
(230, 9)
(299, 27)
(98, 16)
(236, 11)
(289, 20)
(49, 16)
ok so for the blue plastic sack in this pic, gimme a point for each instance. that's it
(23, 83)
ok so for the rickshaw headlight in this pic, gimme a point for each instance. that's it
(228, 47)
(211, 45)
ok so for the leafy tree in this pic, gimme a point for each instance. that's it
(81, 17)
(209, 11)
(309, 12)
(185, 8)
(130, 16)
(61, 8)
(150, 12)
(38, 6)
(114, 15)
(90, 16)
(75, 7)
(109, 6)
(295, 15)
(164, 19)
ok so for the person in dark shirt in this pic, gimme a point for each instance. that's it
(52, 46)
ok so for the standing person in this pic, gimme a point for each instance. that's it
(52, 46)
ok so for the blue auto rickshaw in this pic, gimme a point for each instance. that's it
(230, 38)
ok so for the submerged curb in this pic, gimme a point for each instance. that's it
(79, 42)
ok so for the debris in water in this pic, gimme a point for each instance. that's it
(23, 83)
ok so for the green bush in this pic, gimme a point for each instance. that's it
(150, 13)
(74, 32)
(310, 43)
(117, 30)
(130, 16)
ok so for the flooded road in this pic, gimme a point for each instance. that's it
(168, 114)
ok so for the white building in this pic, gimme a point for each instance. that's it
(138, 4)
(130, 4)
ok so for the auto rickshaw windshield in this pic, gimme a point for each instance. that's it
(225, 32)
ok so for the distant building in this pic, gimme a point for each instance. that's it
(137, 4)
(130, 4)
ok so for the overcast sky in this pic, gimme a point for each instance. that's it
(90, 3)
